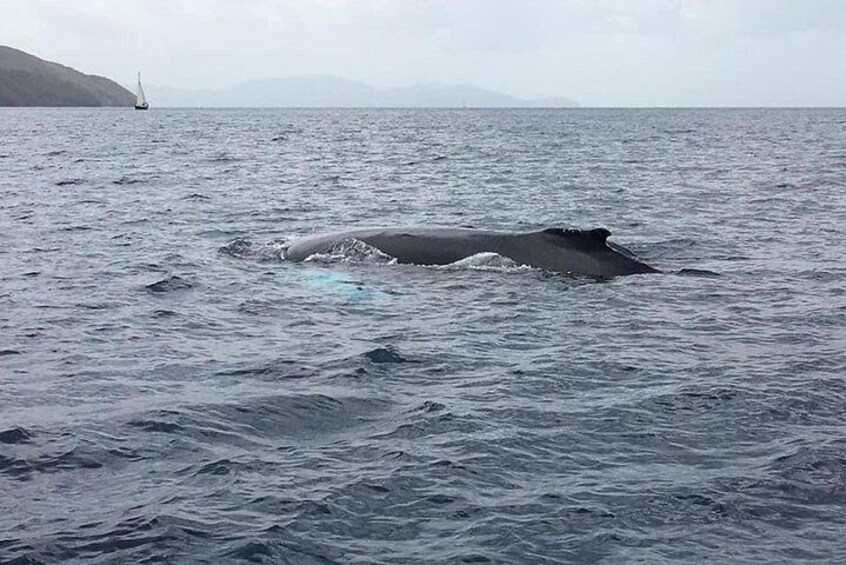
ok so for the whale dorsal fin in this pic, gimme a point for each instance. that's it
(585, 238)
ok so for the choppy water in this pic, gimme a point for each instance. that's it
(171, 391)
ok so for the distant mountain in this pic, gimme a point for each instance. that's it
(322, 91)
(26, 80)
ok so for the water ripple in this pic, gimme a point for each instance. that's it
(173, 391)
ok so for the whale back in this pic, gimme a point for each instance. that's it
(434, 246)
(577, 252)
(570, 251)
(594, 238)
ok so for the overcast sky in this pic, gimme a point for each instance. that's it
(598, 52)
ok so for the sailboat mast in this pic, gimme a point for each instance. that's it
(140, 99)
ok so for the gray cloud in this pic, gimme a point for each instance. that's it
(603, 52)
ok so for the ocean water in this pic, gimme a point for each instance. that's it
(172, 391)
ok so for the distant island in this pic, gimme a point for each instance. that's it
(327, 91)
(26, 80)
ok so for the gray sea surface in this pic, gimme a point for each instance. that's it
(173, 391)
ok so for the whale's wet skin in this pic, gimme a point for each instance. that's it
(573, 252)
(174, 390)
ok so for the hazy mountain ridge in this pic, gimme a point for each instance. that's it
(330, 91)
(26, 80)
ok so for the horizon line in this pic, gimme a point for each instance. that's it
(579, 107)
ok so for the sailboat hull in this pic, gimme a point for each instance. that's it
(142, 107)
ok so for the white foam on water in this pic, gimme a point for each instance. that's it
(353, 251)
(273, 250)
(488, 261)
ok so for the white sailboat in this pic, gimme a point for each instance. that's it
(140, 99)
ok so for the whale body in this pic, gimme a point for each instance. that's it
(580, 253)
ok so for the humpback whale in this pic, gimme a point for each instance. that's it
(579, 253)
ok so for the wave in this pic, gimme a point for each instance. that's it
(70, 182)
(62, 459)
(140, 538)
(387, 354)
(223, 158)
(15, 435)
(697, 273)
(124, 180)
(168, 285)
(259, 420)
